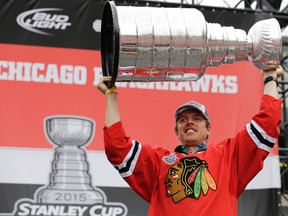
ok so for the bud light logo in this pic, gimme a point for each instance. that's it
(40, 21)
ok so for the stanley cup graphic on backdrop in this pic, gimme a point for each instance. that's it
(145, 44)
(70, 181)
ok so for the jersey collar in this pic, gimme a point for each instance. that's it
(183, 149)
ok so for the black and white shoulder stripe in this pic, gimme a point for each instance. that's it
(126, 168)
(260, 137)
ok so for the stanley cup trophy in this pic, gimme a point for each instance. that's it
(70, 181)
(146, 44)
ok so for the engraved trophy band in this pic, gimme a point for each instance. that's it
(146, 44)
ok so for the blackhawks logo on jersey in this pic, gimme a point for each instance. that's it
(188, 178)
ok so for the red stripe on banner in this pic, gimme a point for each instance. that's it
(37, 82)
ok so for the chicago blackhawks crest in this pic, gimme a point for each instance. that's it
(189, 178)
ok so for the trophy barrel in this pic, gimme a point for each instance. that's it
(146, 44)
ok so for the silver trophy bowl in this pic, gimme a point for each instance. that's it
(63, 130)
(146, 44)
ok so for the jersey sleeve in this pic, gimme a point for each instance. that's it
(253, 144)
(138, 164)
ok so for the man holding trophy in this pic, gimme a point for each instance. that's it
(194, 179)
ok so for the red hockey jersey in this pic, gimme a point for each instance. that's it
(204, 183)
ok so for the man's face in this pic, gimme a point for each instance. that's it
(191, 128)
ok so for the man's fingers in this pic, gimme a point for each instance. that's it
(279, 71)
(101, 85)
(106, 78)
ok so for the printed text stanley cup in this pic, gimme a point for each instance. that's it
(140, 44)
